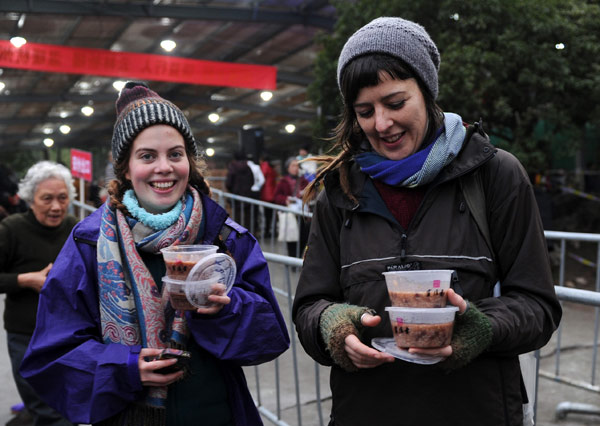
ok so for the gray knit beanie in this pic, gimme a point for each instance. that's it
(397, 37)
(138, 107)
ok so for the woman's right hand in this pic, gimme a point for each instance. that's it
(148, 368)
(34, 280)
(361, 355)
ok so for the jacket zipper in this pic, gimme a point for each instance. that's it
(403, 239)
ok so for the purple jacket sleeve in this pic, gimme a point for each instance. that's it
(90, 380)
(250, 330)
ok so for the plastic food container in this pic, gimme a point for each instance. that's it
(422, 327)
(419, 289)
(180, 260)
(213, 274)
(176, 290)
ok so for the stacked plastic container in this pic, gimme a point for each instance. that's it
(419, 315)
(194, 272)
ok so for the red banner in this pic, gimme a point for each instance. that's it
(81, 164)
(143, 66)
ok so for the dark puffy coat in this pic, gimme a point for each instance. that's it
(350, 246)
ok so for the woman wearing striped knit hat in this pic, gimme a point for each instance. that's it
(102, 318)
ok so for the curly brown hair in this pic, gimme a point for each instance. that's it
(364, 71)
(117, 186)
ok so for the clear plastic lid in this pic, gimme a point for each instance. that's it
(420, 280)
(421, 315)
(212, 269)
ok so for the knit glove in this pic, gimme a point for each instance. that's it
(338, 321)
(471, 336)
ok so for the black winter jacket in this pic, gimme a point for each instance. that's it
(351, 245)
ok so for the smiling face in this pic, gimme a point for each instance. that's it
(50, 202)
(158, 168)
(393, 116)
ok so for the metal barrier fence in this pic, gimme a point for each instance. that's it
(287, 394)
(591, 298)
(263, 219)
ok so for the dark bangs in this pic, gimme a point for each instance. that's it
(363, 71)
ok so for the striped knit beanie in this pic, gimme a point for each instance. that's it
(138, 107)
(397, 37)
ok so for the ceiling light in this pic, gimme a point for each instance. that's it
(21, 21)
(84, 85)
(2, 86)
(290, 128)
(168, 45)
(213, 117)
(266, 95)
(210, 152)
(210, 140)
(118, 85)
(87, 110)
(63, 114)
(18, 41)
(48, 142)
(48, 130)
(64, 129)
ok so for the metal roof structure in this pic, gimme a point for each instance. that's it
(279, 33)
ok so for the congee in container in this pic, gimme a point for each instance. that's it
(419, 289)
(180, 260)
(190, 295)
(422, 327)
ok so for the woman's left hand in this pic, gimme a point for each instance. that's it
(218, 299)
(445, 351)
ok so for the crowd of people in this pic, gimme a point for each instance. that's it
(86, 316)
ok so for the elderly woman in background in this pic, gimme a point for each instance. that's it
(29, 244)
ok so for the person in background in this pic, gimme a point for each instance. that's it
(288, 192)
(308, 168)
(393, 201)
(103, 317)
(29, 244)
(9, 200)
(267, 192)
(259, 178)
(239, 181)
(259, 181)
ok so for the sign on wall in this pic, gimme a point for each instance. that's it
(81, 164)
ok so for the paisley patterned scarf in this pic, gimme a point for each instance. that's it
(132, 309)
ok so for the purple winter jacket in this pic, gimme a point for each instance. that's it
(87, 380)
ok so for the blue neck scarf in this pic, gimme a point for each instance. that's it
(158, 222)
(421, 167)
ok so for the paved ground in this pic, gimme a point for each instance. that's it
(575, 363)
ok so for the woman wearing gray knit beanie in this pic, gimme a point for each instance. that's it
(412, 187)
(114, 343)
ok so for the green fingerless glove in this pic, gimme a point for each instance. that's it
(471, 336)
(338, 321)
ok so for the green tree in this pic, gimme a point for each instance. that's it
(501, 61)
